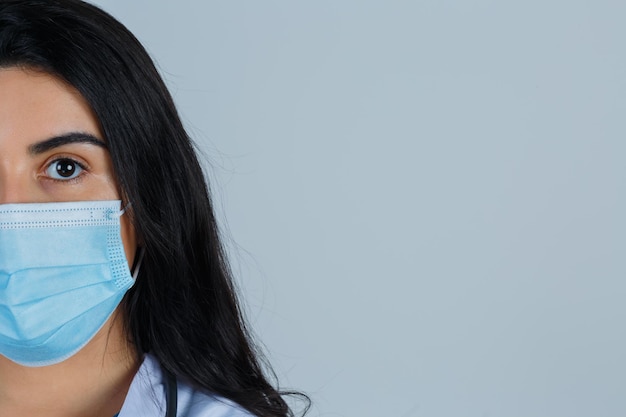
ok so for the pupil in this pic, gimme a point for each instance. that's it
(65, 168)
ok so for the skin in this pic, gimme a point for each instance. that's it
(35, 108)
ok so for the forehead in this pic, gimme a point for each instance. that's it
(36, 105)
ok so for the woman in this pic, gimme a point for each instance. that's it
(116, 295)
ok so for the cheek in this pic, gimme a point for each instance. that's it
(129, 239)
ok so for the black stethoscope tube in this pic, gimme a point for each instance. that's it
(171, 394)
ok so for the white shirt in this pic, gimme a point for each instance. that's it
(146, 397)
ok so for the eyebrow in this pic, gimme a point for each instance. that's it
(66, 139)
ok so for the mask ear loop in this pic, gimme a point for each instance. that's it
(123, 210)
(141, 251)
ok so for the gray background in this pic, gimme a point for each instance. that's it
(423, 200)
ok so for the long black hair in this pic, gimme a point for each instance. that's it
(182, 308)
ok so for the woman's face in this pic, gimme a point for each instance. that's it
(51, 146)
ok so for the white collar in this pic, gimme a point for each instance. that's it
(146, 395)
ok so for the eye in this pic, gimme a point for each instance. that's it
(64, 169)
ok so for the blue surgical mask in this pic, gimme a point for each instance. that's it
(63, 272)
